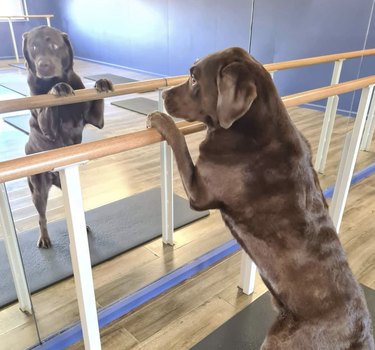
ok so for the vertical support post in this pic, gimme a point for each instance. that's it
(48, 21)
(166, 176)
(334, 204)
(328, 121)
(326, 133)
(369, 127)
(80, 255)
(13, 252)
(337, 71)
(272, 73)
(350, 154)
(248, 272)
(13, 38)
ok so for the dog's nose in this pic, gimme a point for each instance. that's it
(45, 67)
(44, 64)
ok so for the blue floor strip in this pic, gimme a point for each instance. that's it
(114, 311)
(72, 334)
(357, 177)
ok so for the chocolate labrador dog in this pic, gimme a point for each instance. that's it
(255, 167)
(49, 61)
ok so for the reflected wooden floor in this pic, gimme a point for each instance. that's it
(184, 315)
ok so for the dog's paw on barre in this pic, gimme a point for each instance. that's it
(159, 121)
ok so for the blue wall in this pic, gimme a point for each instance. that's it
(158, 36)
(284, 30)
(165, 36)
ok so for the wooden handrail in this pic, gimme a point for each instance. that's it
(18, 104)
(26, 16)
(47, 161)
(25, 103)
(22, 103)
(272, 67)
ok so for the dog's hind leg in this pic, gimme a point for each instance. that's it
(39, 186)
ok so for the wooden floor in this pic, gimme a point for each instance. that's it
(182, 316)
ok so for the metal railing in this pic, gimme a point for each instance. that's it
(18, 17)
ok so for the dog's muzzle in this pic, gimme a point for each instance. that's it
(45, 68)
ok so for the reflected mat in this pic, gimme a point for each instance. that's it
(116, 228)
(20, 87)
(139, 104)
(21, 123)
(248, 328)
(115, 79)
(18, 65)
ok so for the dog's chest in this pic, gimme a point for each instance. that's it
(227, 182)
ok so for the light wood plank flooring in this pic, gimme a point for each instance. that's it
(184, 315)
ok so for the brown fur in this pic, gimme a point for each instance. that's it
(255, 167)
(49, 60)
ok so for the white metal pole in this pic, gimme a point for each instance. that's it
(13, 252)
(166, 177)
(328, 121)
(80, 255)
(346, 169)
(369, 127)
(335, 214)
(337, 68)
(248, 272)
(13, 38)
(326, 133)
(48, 21)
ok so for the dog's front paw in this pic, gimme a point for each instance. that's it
(159, 121)
(44, 242)
(61, 89)
(103, 85)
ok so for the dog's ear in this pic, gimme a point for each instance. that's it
(69, 64)
(236, 93)
(28, 62)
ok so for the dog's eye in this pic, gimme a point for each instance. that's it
(34, 47)
(193, 80)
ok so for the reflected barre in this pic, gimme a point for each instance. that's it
(10, 19)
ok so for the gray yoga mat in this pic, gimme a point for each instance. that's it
(17, 86)
(115, 79)
(248, 328)
(21, 122)
(139, 104)
(116, 228)
(18, 65)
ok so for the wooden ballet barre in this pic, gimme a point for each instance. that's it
(83, 95)
(39, 101)
(47, 100)
(47, 161)
(272, 67)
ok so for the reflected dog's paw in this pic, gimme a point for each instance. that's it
(103, 85)
(61, 89)
(44, 242)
